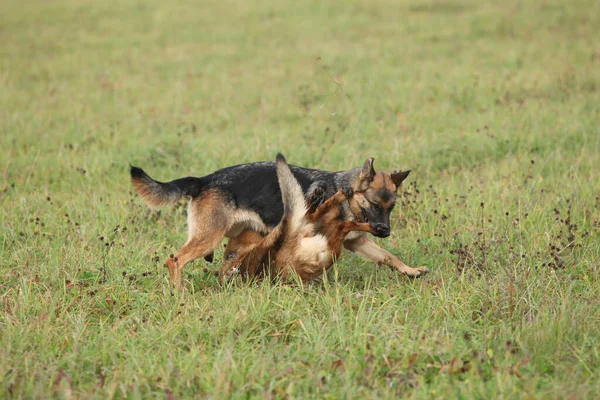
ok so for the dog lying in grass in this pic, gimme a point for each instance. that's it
(307, 240)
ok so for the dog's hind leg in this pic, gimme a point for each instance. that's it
(209, 219)
(237, 253)
(254, 259)
(241, 241)
(249, 261)
(194, 248)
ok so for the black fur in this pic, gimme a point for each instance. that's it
(252, 186)
(255, 187)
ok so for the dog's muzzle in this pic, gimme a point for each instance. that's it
(384, 234)
(381, 230)
(383, 220)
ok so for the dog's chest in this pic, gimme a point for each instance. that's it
(313, 250)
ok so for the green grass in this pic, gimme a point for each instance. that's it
(495, 106)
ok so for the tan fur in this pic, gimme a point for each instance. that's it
(243, 241)
(365, 247)
(316, 240)
(305, 248)
(243, 220)
(147, 194)
(303, 255)
(381, 182)
(209, 219)
(291, 194)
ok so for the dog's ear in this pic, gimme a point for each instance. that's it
(398, 177)
(366, 176)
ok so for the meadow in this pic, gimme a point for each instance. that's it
(495, 106)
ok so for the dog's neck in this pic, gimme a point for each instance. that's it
(346, 178)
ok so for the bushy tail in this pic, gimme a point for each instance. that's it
(157, 194)
(294, 205)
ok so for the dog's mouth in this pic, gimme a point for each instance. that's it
(382, 233)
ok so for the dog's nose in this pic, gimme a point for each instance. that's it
(385, 232)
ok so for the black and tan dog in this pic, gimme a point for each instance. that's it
(239, 201)
(307, 240)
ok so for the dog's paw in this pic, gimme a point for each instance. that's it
(348, 191)
(171, 262)
(317, 195)
(416, 272)
(228, 273)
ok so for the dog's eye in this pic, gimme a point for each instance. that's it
(375, 206)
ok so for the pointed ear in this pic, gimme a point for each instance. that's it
(366, 176)
(398, 177)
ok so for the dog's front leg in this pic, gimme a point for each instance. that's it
(368, 249)
(326, 207)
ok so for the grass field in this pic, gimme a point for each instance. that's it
(495, 106)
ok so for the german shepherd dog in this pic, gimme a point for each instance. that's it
(244, 203)
(307, 240)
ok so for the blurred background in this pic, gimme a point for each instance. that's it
(202, 84)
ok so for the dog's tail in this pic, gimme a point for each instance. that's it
(294, 205)
(157, 194)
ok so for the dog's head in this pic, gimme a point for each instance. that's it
(375, 195)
